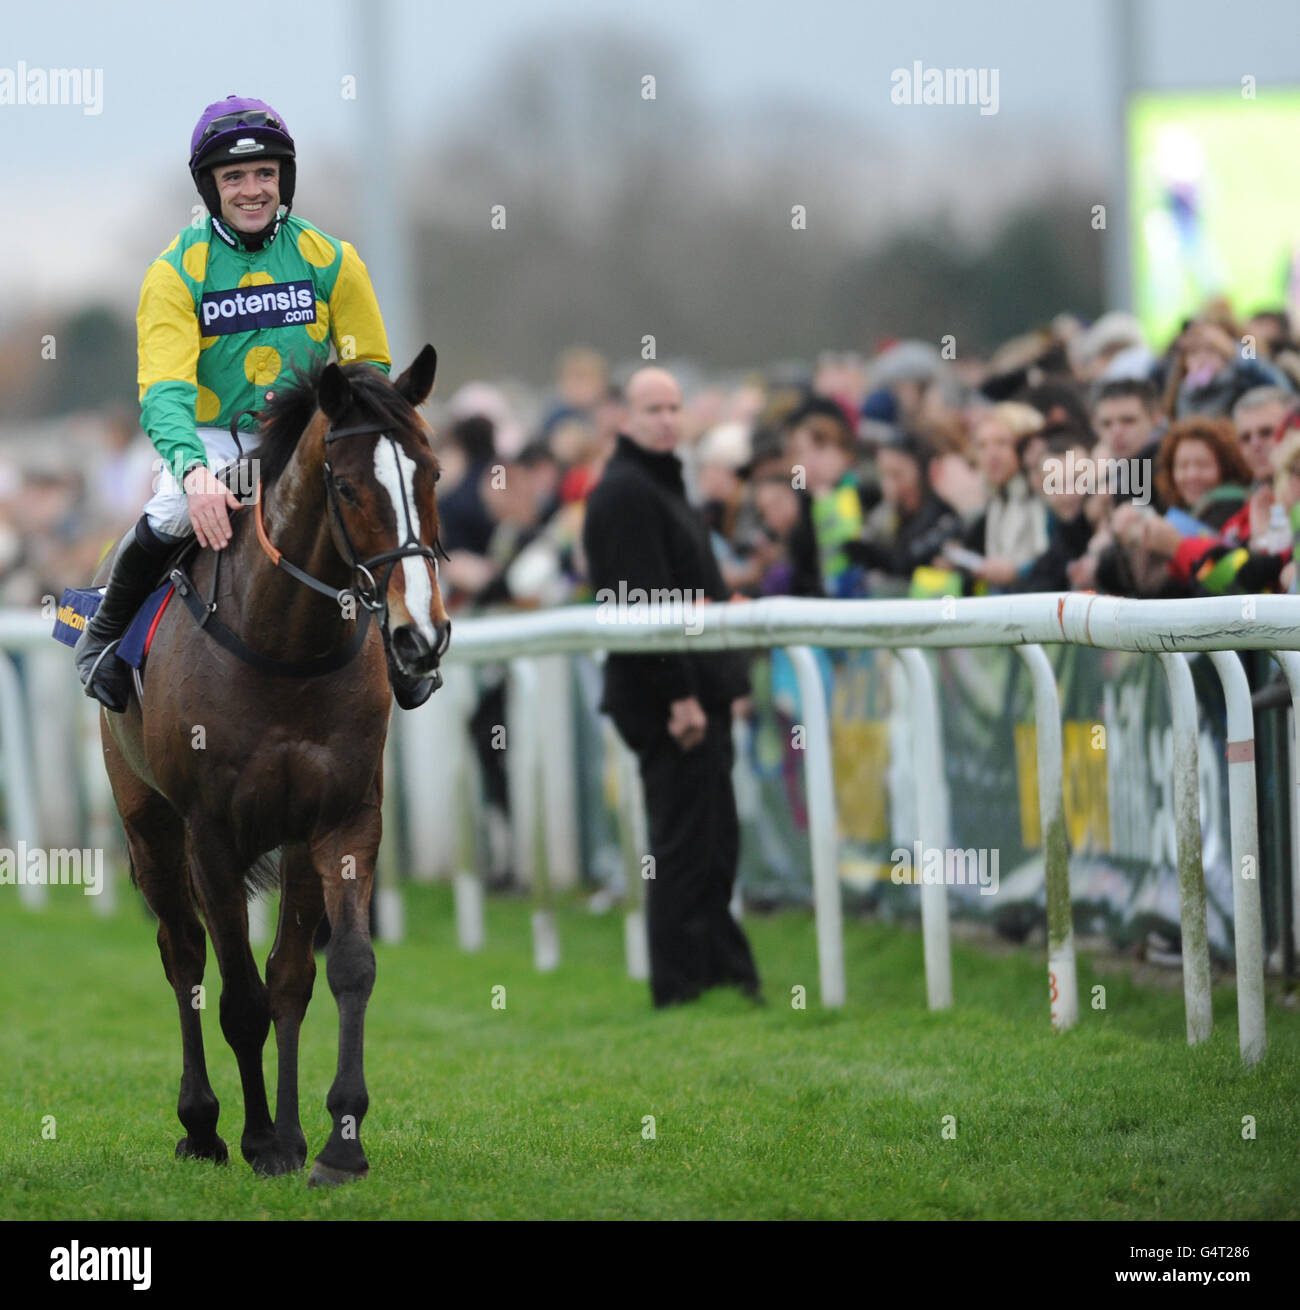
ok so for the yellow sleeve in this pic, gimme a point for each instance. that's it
(167, 330)
(356, 326)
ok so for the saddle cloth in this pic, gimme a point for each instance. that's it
(78, 607)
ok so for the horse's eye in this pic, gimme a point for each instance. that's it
(347, 491)
(437, 475)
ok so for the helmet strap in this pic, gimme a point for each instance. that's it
(249, 240)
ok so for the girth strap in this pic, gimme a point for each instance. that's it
(224, 637)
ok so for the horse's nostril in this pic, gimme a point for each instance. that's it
(444, 636)
(407, 643)
(412, 652)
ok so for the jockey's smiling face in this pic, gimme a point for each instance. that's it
(250, 193)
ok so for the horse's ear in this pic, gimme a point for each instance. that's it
(334, 393)
(416, 383)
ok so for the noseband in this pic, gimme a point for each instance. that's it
(365, 590)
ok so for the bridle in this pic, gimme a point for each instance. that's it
(364, 589)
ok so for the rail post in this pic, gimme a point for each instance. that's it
(931, 823)
(1191, 874)
(528, 809)
(819, 784)
(1247, 914)
(1062, 979)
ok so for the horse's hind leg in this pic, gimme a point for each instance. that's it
(155, 836)
(217, 873)
(345, 861)
(290, 974)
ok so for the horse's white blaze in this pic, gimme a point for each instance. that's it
(395, 471)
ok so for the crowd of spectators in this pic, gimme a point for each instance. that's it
(1075, 457)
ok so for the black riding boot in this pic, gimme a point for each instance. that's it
(140, 558)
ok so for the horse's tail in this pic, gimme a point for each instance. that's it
(263, 875)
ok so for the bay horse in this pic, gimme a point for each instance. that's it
(271, 736)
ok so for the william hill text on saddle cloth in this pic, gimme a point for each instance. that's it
(219, 324)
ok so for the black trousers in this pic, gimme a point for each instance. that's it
(488, 716)
(694, 837)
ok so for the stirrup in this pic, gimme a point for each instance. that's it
(93, 690)
(99, 659)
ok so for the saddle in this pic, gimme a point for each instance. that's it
(138, 637)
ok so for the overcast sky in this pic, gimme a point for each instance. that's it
(83, 193)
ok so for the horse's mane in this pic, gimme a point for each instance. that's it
(286, 416)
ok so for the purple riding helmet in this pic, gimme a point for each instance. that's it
(240, 128)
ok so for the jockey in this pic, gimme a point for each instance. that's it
(234, 302)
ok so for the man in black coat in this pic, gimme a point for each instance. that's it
(673, 710)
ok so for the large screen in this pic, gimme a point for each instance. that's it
(1214, 190)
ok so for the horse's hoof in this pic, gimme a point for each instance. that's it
(215, 1150)
(324, 1175)
(278, 1161)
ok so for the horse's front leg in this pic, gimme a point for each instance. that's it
(345, 861)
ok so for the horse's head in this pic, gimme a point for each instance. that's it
(379, 474)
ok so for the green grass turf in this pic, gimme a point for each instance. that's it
(537, 1111)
